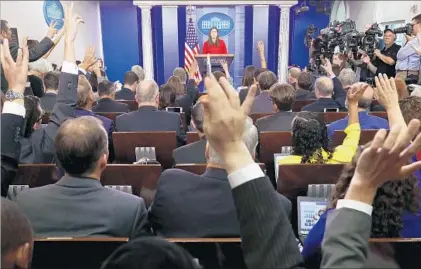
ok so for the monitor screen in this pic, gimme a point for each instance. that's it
(310, 212)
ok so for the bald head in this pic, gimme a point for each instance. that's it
(324, 87)
(80, 144)
(367, 98)
(147, 93)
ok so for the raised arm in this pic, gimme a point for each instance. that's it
(339, 93)
(12, 117)
(55, 41)
(370, 65)
(266, 242)
(261, 49)
(345, 243)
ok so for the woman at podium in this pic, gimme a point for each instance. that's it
(214, 45)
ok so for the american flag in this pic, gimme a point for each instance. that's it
(191, 48)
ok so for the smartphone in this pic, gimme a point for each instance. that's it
(209, 66)
(174, 109)
(331, 110)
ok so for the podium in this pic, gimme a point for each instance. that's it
(215, 60)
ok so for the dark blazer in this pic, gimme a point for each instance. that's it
(302, 95)
(322, 103)
(125, 94)
(149, 118)
(262, 103)
(186, 101)
(11, 127)
(280, 121)
(48, 102)
(105, 105)
(191, 153)
(270, 242)
(339, 93)
(39, 147)
(189, 205)
(82, 207)
(37, 85)
(35, 53)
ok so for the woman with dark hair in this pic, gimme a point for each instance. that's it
(310, 141)
(214, 45)
(176, 84)
(167, 97)
(396, 211)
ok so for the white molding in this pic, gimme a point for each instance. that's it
(214, 3)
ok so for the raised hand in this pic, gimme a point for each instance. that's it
(327, 67)
(386, 158)
(89, 60)
(193, 68)
(386, 92)
(366, 59)
(70, 23)
(52, 31)
(224, 118)
(356, 92)
(261, 46)
(16, 73)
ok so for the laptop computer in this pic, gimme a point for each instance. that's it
(309, 211)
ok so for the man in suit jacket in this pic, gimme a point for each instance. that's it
(48, 101)
(194, 152)
(346, 239)
(189, 205)
(36, 52)
(78, 205)
(324, 94)
(12, 117)
(148, 117)
(107, 103)
(191, 92)
(128, 91)
(293, 74)
(262, 103)
(283, 97)
(304, 87)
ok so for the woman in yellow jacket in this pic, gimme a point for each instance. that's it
(310, 141)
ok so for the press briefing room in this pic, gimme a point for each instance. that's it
(210, 134)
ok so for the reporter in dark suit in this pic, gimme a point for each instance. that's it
(107, 103)
(283, 97)
(78, 205)
(304, 87)
(189, 205)
(324, 93)
(128, 92)
(35, 52)
(148, 117)
(194, 152)
(37, 145)
(262, 103)
(184, 97)
(12, 117)
(51, 83)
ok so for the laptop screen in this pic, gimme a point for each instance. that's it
(309, 211)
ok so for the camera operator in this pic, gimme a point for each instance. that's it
(408, 61)
(384, 61)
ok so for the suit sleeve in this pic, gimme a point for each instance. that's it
(35, 52)
(339, 93)
(192, 91)
(11, 126)
(268, 240)
(345, 244)
(141, 226)
(181, 134)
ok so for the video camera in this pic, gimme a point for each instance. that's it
(407, 29)
(369, 41)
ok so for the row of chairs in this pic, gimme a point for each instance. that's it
(211, 252)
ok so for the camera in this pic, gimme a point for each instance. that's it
(407, 29)
(311, 29)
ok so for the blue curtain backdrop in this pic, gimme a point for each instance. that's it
(121, 21)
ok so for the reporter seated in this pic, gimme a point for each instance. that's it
(310, 141)
(293, 74)
(194, 152)
(396, 212)
(324, 94)
(17, 240)
(250, 75)
(189, 205)
(78, 205)
(304, 87)
(366, 121)
(148, 118)
(48, 101)
(283, 97)
(128, 92)
(107, 103)
(262, 103)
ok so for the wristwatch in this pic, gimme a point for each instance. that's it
(12, 95)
